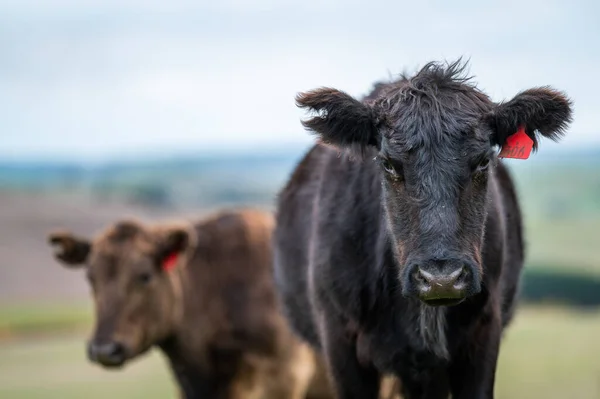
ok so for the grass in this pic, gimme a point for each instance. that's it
(57, 368)
(39, 318)
(548, 353)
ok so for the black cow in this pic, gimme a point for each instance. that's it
(398, 246)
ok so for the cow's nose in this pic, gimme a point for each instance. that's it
(440, 287)
(108, 354)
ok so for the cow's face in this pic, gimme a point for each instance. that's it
(137, 301)
(435, 136)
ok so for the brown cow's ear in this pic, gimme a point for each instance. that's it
(70, 250)
(176, 240)
(173, 241)
(540, 111)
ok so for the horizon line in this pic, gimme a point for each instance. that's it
(154, 154)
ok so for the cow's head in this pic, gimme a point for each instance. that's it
(435, 136)
(133, 279)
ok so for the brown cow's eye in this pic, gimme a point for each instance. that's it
(144, 278)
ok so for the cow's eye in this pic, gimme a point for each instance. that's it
(144, 278)
(483, 166)
(389, 168)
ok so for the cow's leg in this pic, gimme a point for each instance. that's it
(204, 386)
(432, 384)
(233, 375)
(290, 375)
(473, 368)
(349, 378)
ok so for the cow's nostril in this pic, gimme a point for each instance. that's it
(457, 277)
(109, 353)
(114, 349)
(419, 277)
(425, 276)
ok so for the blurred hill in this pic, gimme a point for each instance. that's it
(167, 182)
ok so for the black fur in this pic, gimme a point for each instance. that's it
(341, 120)
(428, 190)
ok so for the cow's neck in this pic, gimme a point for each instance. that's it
(178, 348)
(191, 382)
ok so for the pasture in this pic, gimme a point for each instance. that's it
(548, 353)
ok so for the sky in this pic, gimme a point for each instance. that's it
(91, 79)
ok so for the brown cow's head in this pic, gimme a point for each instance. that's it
(434, 137)
(137, 301)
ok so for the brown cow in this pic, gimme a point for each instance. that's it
(204, 295)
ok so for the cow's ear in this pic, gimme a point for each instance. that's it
(341, 120)
(173, 241)
(176, 240)
(540, 111)
(70, 250)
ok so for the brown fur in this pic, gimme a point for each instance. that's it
(215, 316)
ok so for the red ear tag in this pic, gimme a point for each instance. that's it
(170, 262)
(517, 145)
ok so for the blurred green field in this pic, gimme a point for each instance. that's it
(56, 367)
(560, 203)
(38, 318)
(548, 353)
